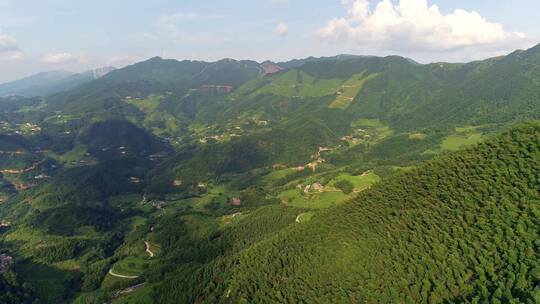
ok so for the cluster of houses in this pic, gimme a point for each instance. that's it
(315, 187)
(5, 126)
(360, 135)
(229, 133)
(122, 150)
(31, 128)
(134, 180)
(206, 139)
(317, 160)
(220, 89)
(5, 263)
(159, 204)
(179, 182)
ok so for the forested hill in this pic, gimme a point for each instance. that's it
(235, 182)
(398, 91)
(462, 228)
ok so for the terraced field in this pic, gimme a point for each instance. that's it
(350, 89)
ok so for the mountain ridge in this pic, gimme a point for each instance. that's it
(341, 179)
(46, 83)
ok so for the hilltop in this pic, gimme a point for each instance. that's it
(191, 181)
(462, 228)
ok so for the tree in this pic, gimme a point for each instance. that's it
(344, 185)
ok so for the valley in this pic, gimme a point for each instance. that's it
(190, 182)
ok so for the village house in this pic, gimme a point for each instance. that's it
(236, 201)
(159, 204)
(134, 180)
(315, 187)
(314, 164)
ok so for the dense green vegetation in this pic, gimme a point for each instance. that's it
(13, 291)
(195, 182)
(462, 228)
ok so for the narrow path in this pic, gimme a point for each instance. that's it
(33, 167)
(121, 276)
(150, 253)
(12, 152)
(130, 289)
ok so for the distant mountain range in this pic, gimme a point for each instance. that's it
(345, 179)
(51, 82)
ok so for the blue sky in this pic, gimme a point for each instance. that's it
(76, 35)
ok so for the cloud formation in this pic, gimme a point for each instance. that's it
(281, 30)
(58, 58)
(9, 49)
(413, 25)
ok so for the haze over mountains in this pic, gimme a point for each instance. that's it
(320, 180)
(47, 83)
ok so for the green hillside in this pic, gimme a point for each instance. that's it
(320, 180)
(461, 228)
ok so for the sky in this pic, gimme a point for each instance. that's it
(76, 35)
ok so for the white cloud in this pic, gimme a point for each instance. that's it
(414, 26)
(7, 43)
(281, 30)
(58, 58)
(9, 49)
(12, 56)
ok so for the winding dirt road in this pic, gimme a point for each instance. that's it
(150, 253)
(121, 276)
(32, 167)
